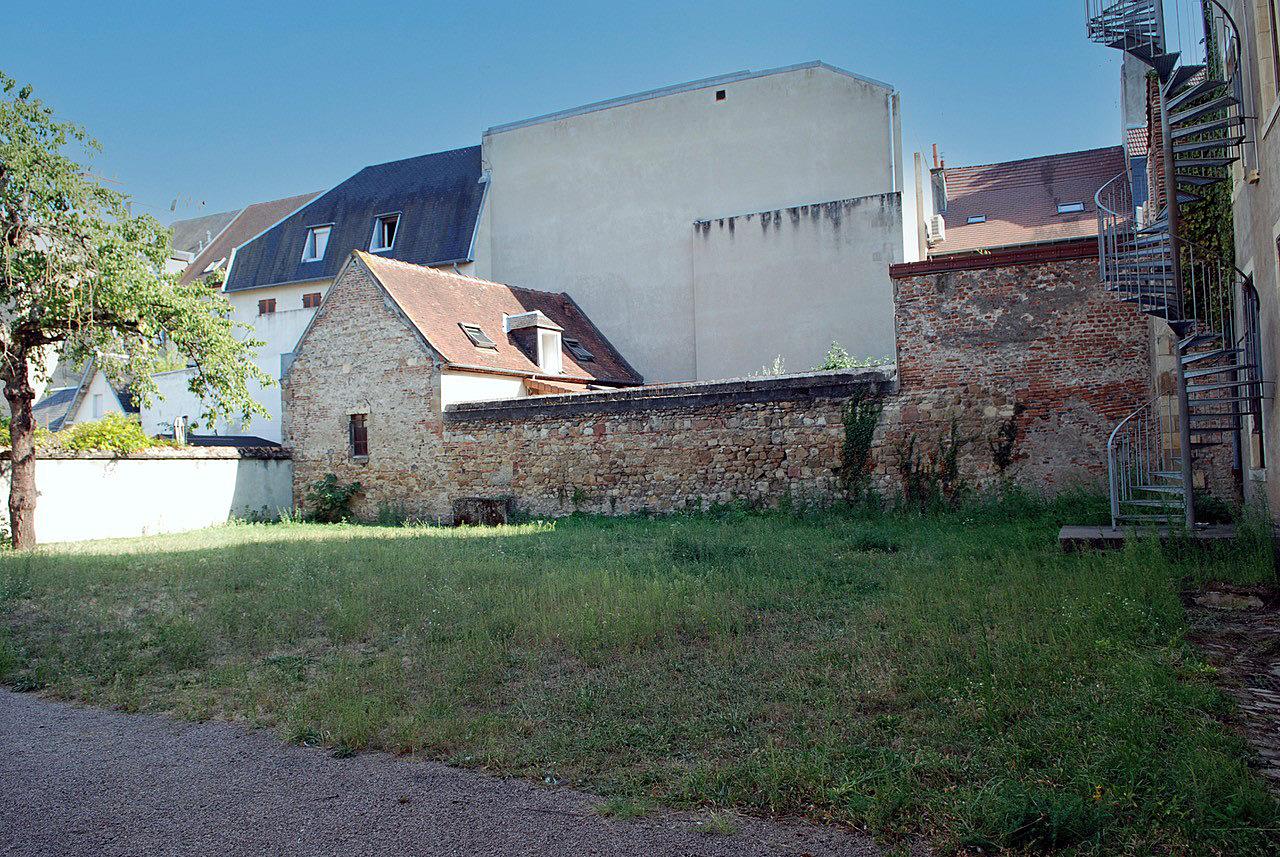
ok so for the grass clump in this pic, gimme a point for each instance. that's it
(950, 673)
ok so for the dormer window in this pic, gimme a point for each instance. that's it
(317, 242)
(549, 358)
(478, 337)
(384, 233)
(579, 352)
(1071, 208)
(977, 218)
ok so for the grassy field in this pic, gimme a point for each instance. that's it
(952, 675)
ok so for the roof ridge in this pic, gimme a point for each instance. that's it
(412, 158)
(455, 274)
(1035, 158)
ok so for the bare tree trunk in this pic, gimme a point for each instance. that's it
(22, 471)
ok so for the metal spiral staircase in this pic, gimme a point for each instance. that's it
(1210, 307)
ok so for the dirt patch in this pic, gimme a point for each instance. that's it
(1238, 628)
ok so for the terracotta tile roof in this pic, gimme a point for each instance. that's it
(1020, 200)
(438, 302)
(248, 223)
(1138, 141)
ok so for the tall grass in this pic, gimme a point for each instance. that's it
(952, 674)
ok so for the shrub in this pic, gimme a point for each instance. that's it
(330, 500)
(839, 358)
(44, 438)
(113, 433)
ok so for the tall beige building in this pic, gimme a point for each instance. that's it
(709, 227)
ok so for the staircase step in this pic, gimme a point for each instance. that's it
(1168, 474)
(1160, 489)
(1198, 180)
(1142, 518)
(1202, 163)
(1222, 102)
(1181, 77)
(1209, 388)
(1185, 197)
(1154, 504)
(1224, 124)
(1189, 359)
(1158, 248)
(1205, 146)
(1216, 370)
(1198, 339)
(1192, 92)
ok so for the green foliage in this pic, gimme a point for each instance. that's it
(113, 433)
(330, 500)
(44, 438)
(839, 358)
(931, 473)
(80, 271)
(861, 415)
(954, 675)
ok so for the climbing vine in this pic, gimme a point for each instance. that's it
(861, 415)
(932, 480)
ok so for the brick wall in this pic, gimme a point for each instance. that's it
(1039, 338)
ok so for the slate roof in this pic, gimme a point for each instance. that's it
(438, 197)
(187, 234)
(246, 224)
(437, 302)
(52, 409)
(237, 441)
(1020, 200)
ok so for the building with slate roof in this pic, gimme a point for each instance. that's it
(707, 228)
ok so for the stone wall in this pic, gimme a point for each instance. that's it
(1010, 367)
(660, 448)
(361, 356)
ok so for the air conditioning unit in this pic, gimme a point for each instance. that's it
(935, 230)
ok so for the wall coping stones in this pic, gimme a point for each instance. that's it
(840, 383)
(167, 453)
(1063, 251)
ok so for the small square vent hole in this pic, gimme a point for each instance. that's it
(720, 95)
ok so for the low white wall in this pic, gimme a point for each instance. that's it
(160, 491)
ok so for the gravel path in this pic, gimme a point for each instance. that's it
(85, 781)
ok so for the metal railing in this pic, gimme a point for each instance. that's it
(1143, 452)
(1131, 258)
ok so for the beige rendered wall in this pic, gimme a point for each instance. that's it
(1257, 215)
(787, 283)
(601, 203)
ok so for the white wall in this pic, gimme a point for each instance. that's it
(99, 386)
(100, 498)
(788, 283)
(458, 387)
(600, 203)
(279, 331)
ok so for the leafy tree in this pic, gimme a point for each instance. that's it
(80, 274)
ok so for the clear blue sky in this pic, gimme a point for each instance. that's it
(232, 103)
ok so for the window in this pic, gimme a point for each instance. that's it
(317, 242)
(721, 95)
(360, 435)
(97, 405)
(578, 351)
(478, 337)
(311, 300)
(266, 306)
(549, 358)
(977, 218)
(1275, 44)
(1070, 207)
(384, 232)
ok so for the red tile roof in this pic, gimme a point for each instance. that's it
(1020, 200)
(247, 224)
(437, 302)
